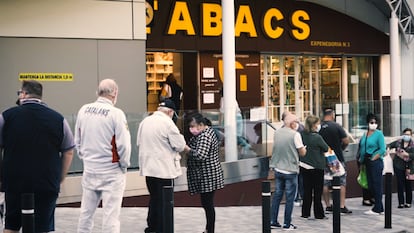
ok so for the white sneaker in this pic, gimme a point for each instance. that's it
(289, 228)
(370, 212)
(297, 203)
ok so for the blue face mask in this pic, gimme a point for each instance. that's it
(406, 138)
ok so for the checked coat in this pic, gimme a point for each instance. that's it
(204, 172)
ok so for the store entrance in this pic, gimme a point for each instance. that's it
(183, 67)
(303, 85)
(289, 81)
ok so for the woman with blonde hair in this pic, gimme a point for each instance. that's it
(312, 167)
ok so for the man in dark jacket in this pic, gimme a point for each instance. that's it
(37, 146)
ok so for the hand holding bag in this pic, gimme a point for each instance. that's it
(408, 174)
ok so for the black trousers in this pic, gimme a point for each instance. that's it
(154, 218)
(207, 201)
(312, 192)
(403, 185)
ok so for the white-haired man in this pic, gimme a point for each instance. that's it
(103, 142)
(287, 147)
(159, 142)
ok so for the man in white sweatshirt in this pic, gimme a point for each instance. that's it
(159, 142)
(103, 143)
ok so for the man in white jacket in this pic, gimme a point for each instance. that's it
(103, 143)
(159, 142)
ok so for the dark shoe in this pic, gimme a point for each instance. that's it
(400, 206)
(366, 203)
(329, 208)
(407, 205)
(304, 216)
(275, 225)
(323, 217)
(148, 230)
(345, 211)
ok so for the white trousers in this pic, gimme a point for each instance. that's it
(106, 187)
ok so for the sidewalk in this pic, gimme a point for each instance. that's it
(249, 220)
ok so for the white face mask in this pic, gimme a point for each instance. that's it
(406, 138)
(318, 128)
(373, 126)
(296, 127)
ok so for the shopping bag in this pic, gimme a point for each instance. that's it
(388, 164)
(362, 177)
(335, 166)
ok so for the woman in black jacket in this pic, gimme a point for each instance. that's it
(204, 172)
(403, 162)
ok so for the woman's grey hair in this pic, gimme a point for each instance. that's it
(107, 87)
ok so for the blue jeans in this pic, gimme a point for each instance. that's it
(374, 177)
(299, 193)
(284, 183)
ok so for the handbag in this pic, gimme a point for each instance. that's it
(362, 177)
(408, 174)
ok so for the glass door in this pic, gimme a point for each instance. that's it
(288, 85)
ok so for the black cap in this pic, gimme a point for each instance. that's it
(168, 104)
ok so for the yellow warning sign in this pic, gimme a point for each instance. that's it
(67, 77)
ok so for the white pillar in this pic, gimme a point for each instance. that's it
(229, 89)
(344, 83)
(395, 77)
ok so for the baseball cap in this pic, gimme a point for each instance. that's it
(168, 104)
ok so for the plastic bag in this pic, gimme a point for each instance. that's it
(362, 177)
(335, 166)
(388, 164)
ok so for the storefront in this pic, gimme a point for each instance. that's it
(295, 56)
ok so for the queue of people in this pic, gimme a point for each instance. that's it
(160, 142)
(35, 133)
(293, 154)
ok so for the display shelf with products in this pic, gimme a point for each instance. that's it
(330, 92)
(159, 66)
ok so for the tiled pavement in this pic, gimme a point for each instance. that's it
(249, 220)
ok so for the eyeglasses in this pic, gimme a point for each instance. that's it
(372, 122)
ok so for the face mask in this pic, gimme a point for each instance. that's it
(194, 131)
(373, 126)
(18, 101)
(296, 127)
(318, 128)
(406, 138)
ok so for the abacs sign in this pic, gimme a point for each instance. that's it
(260, 26)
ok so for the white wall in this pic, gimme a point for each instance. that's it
(73, 19)
(385, 73)
(407, 71)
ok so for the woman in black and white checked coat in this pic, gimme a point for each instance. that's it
(204, 172)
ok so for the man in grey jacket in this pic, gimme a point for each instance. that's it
(103, 142)
(159, 142)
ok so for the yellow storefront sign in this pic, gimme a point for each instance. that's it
(67, 77)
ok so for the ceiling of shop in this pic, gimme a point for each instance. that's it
(379, 12)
